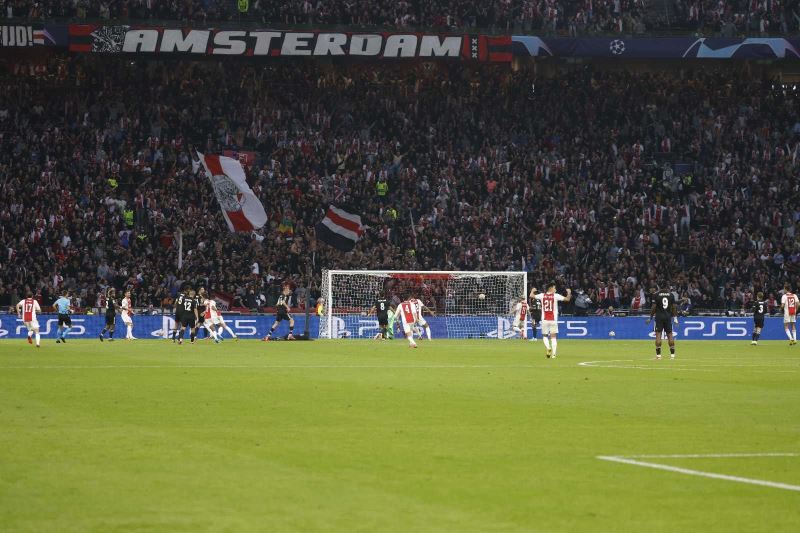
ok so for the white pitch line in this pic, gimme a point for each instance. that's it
(710, 455)
(700, 473)
(81, 367)
(675, 365)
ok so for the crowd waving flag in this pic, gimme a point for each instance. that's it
(340, 229)
(241, 208)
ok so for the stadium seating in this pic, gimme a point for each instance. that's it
(603, 181)
(726, 18)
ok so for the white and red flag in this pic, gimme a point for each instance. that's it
(241, 208)
(340, 229)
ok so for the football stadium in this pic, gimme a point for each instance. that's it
(399, 265)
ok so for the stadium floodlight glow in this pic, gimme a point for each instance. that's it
(455, 297)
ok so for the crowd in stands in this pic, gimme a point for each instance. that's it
(564, 17)
(736, 17)
(608, 182)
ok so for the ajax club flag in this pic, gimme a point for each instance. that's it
(340, 229)
(240, 206)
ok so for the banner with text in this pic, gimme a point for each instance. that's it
(362, 327)
(280, 43)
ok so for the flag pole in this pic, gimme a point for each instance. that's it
(180, 249)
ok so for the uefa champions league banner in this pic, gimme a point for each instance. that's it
(299, 43)
(362, 327)
(656, 47)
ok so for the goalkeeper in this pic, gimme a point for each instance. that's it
(391, 316)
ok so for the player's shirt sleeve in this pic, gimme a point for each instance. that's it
(538, 296)
(783, 300)
(36, 307)
(559, 297)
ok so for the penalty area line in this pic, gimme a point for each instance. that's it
(701, 473)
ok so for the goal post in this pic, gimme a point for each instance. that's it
(467, 305)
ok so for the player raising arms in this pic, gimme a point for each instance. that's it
(665, 312)
(63, 307)
(111, 315)
(520, 324)
(381, 308)
(420, 307)
(759, 310)
(126, 305)
(282, 307)
(26, 311)
(549, 302)
(789, 307)
(535, 312)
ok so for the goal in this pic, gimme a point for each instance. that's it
(467, 305)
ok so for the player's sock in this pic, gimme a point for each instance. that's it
(38, 337)
(672, 350)
(788, 333)
(658, 351)
(755, 336)
(758, 336)
(65, 331)
(554, 343)
(428, 332)
(103, 332)
(794, 334)
(192, 335)
(111, 334)
(546, 341)
(129, 334)
(30, 334)
(229, 330)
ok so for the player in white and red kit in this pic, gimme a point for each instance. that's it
(520, 324)
(211, 318)
(26, 311)
(550, 301)
(127, 312)
(789, 304)
(410, 316)
(420, 307)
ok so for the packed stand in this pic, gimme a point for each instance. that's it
(736, 17)
(566, 17)
(497, 170)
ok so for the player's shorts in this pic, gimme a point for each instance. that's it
(64, 320)
(110, 319)
(383, 319)
(663, 324)
(536, 315)
(519, 324)
(408, 327)
(549, 326)
(758, 321)
(789, 319)
(187, 321)
(421, 322)
(126, 318)
(210, 323)
(33, 324)
(282, 315)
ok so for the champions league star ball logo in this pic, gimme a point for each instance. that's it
(230, 199)
(617, 47)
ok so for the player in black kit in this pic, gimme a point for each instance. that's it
(381, 308)
(536, 312)
(665, 312)
(111, 315)
(179, 312)
(186, 314)
(282, 307)
(759, 311)
(201, 310)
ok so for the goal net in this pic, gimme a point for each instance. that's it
(466, 305)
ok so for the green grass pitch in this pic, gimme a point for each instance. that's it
(368, 436)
